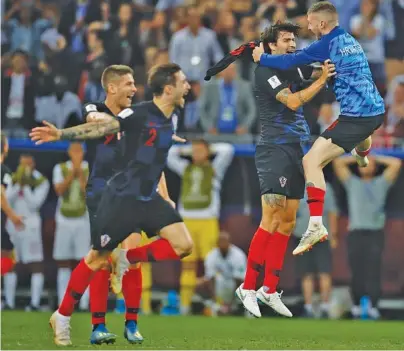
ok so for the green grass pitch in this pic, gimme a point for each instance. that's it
(22, 330)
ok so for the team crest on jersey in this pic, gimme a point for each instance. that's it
(283, 181)
(105, 239)
(274, 82)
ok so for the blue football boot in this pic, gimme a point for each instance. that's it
(101, 335)
(131, 333)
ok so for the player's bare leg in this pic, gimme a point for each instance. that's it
(361, 151)
(175, 243)
(78, 283)
(275, 252)
(322, 152)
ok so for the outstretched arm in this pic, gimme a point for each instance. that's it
(316, 52)
(98, 127)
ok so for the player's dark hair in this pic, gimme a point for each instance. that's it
(161, 76)
(114, 71)
(323, 6)
(271, 34)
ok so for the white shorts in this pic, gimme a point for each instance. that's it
(72, 238)
(224, 289)
(28, 242)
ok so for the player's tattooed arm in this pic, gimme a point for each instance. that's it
(90, 130)
(274, 200)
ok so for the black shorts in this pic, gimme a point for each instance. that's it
(347, 132)
(280, 169)
(119, 216)
(317, 260)
(6, 243)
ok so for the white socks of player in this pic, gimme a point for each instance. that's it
(62, 281)
(10, 286)
(37, 280)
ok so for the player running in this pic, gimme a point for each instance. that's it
(119, 86)
(129, 200)
(278, 159)
(7, 260)
(362, 107)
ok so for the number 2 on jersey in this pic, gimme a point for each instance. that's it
(153, 135)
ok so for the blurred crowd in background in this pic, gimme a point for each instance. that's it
(54, 51)
(53, 55)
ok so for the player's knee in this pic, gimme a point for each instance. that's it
(286, 227)
(271, 224)
(97, 260)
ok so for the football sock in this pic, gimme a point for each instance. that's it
(158, 250)
(99, 289)
(10, 285)
(274, 257)
(146, 287)
(256, 256)
(78, 283)
(37, 280)
(187, 286)
(315, 202)
(63, 276)
(132, 292)
(7, 265)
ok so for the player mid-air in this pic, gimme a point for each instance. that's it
(278, 159)
(362, 107)
(129, 200)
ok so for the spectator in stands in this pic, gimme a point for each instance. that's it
(26, 195)
(227, 105)
(194, 48)
(199, 203)
(124, 45)
(225, 267)
(96, 62)
(24, 28)
(226, 30)
(72, 235)
(317, 262)
(395, 111)
(17, 96)
(76, 15)
(366, 197)
(61, 107)
(369, 27)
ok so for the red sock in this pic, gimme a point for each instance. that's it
(7, 265)
(159, 250)
(78, 283)
(274, 256)
(256, 255)
(99, 289)
(315, 201)
(132, 292)
(362, 153)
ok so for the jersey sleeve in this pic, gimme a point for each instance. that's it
(87, 108)
(316, 52)
(267, 80)
(128, 120)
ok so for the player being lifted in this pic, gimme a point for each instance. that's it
(362, 107)
(278, 159)
(129, 200)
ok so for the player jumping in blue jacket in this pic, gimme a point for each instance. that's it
(362, 107)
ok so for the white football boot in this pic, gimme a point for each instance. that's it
(61, 329)
(274, 301)
(120, 268)
(316, 232)
(249, 300)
